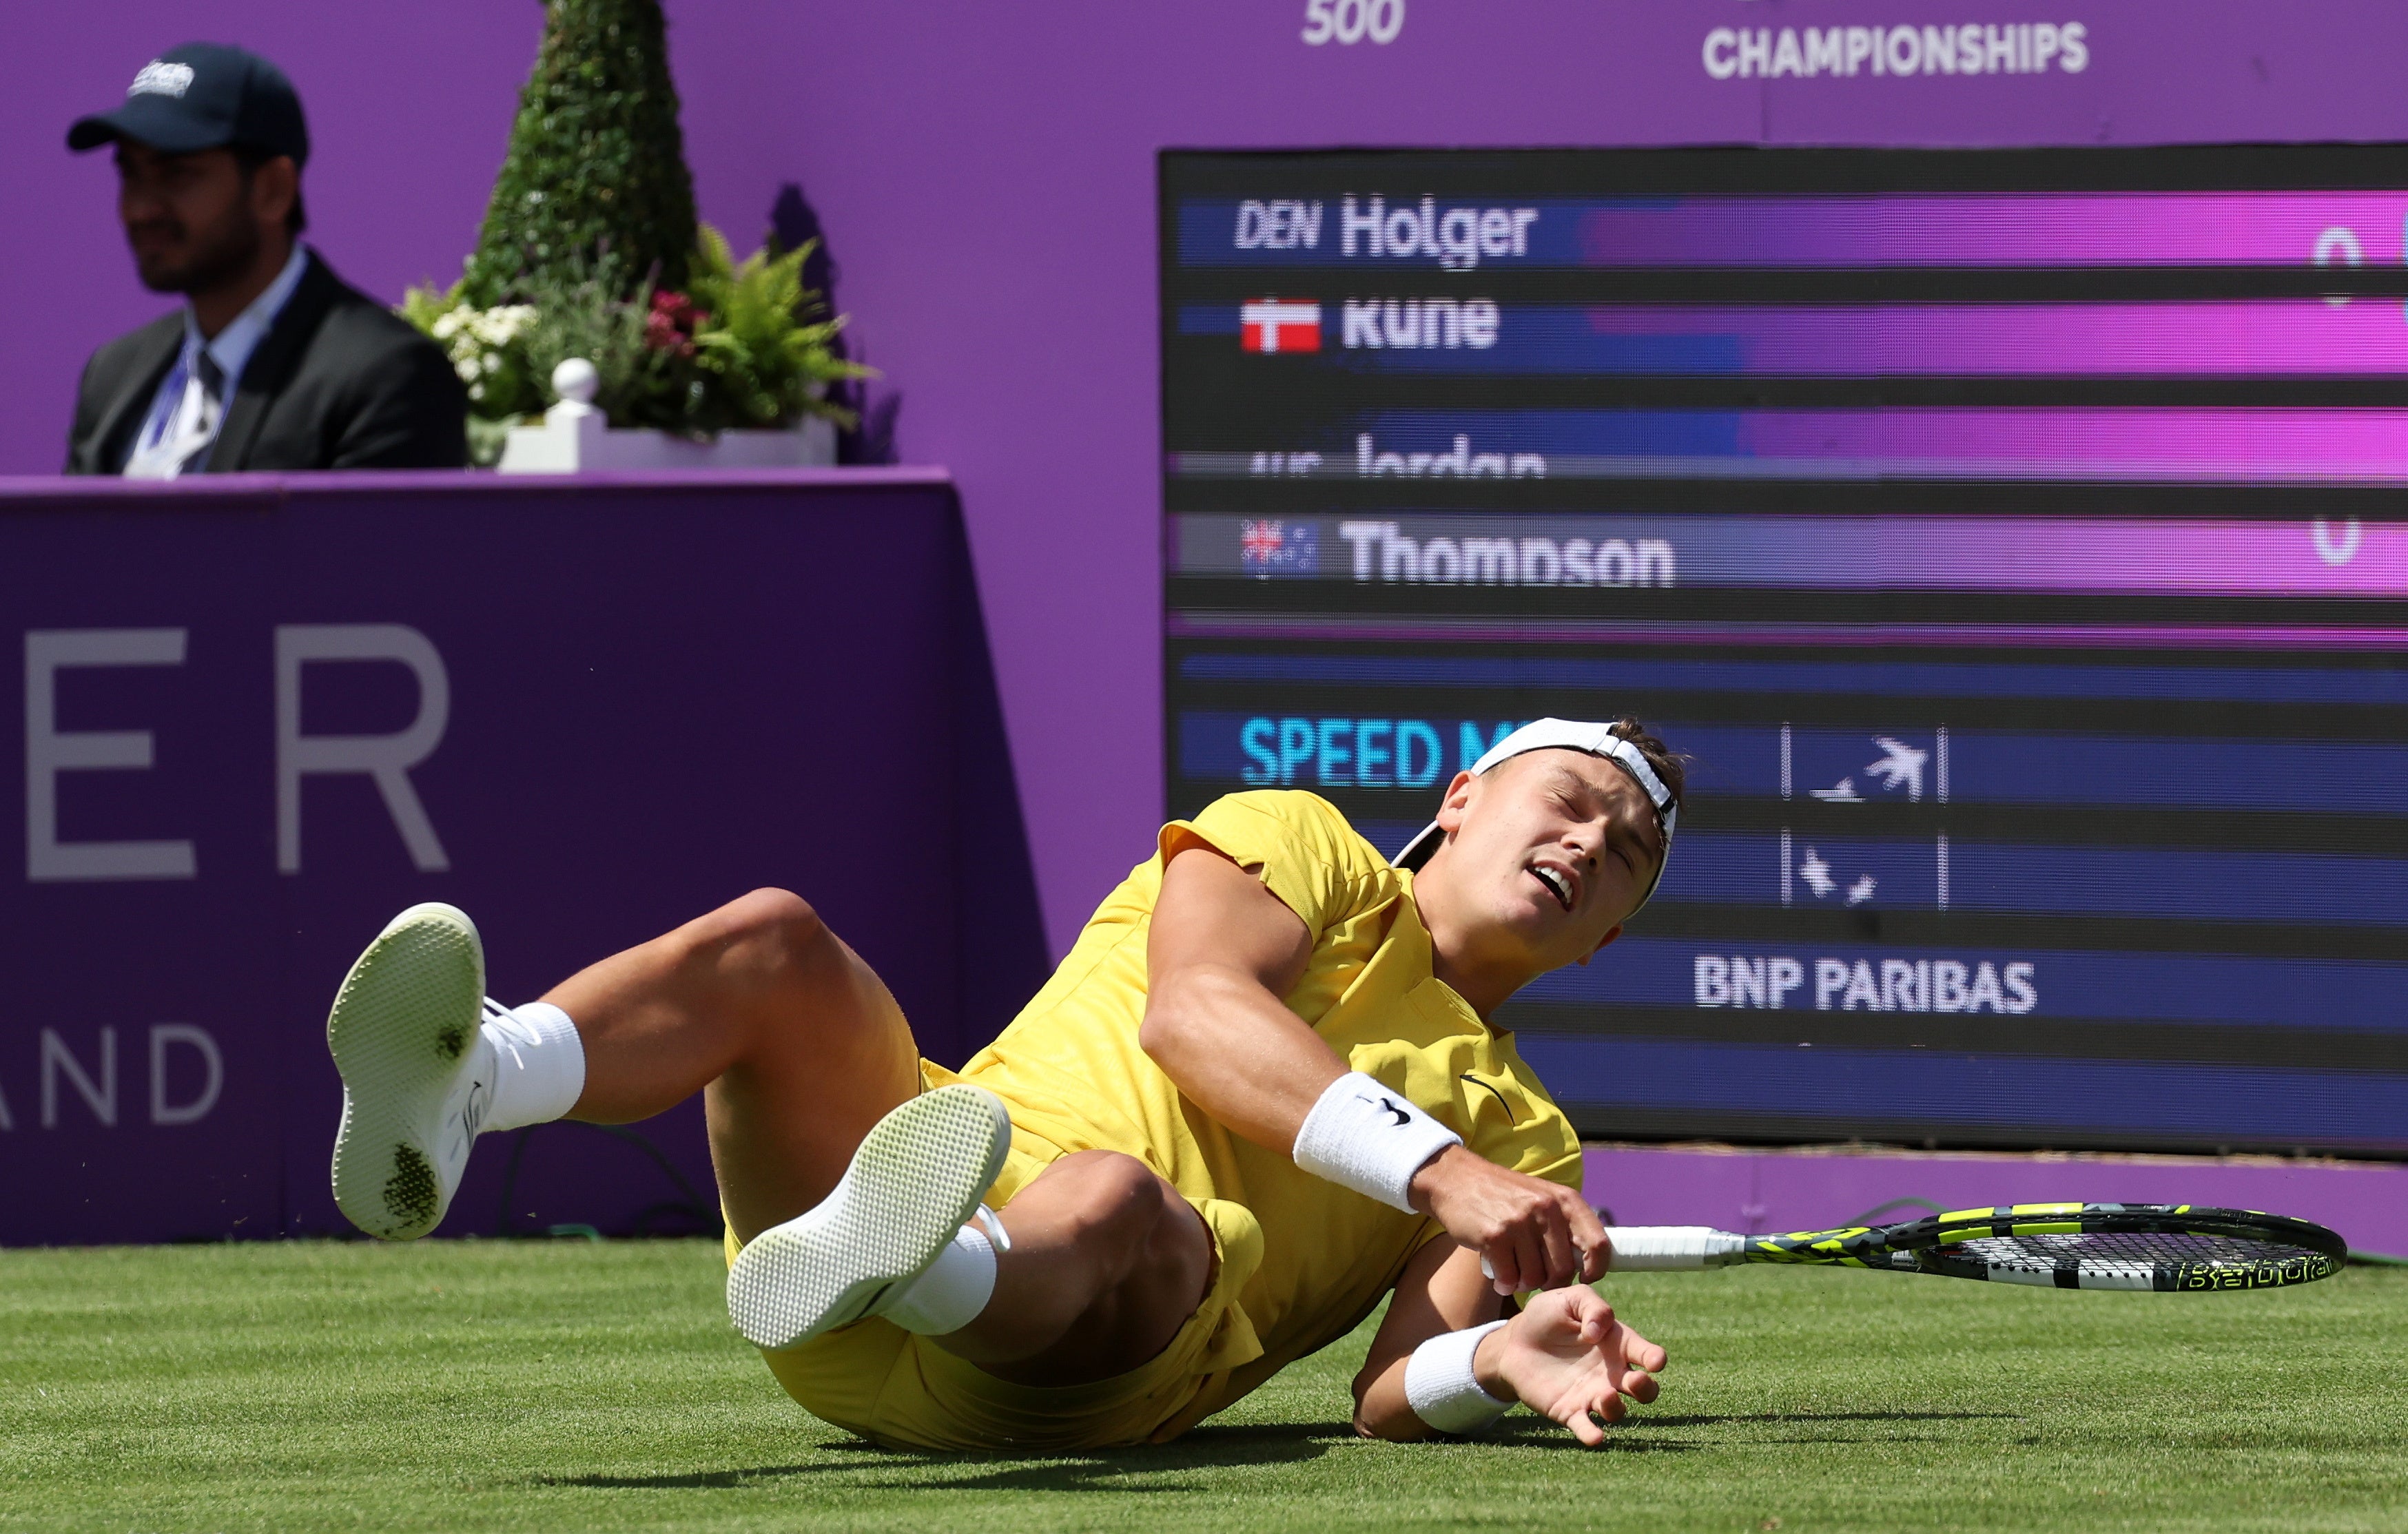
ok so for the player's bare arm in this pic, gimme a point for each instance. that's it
(1565, 1355)
(1222, 953)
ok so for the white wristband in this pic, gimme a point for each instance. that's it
(1362, 1136)
(1441, 1388)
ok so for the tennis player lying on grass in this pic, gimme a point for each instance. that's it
(1259, 1094)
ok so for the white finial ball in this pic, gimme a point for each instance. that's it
(577, 379)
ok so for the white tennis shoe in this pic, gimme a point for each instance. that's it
(918, 1176)
(404, 1034)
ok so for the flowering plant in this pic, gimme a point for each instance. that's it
(479, 343)
(671, 325)
(487, 348)
(747, 345)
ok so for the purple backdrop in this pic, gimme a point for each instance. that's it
(638, 698)
(986, 174)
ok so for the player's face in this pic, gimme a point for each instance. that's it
(1550, 850)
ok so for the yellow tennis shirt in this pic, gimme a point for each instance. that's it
(1071, 1072)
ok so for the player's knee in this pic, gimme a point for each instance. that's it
(1119, 1201)
(774, 926)
(760, 935)
(774, 913)
(1139, 1232)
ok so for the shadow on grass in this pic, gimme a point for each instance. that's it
(1531, 1433)
(1202, 1449)
(1205, 1448)
(1653, 1421)
(1632, 1436)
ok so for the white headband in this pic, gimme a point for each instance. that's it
(1570, 735)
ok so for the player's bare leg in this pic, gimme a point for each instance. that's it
(795, 1045)
(807, 1068)
(1107, 1263)
(800, 1050)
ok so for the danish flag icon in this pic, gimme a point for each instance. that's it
(1272, 324)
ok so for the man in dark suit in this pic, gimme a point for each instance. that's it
(274, 363)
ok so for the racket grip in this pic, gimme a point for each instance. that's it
(1663, 1248)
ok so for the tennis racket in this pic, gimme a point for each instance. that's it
(2169, 1248)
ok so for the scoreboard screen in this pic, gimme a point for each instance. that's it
(2015, 543)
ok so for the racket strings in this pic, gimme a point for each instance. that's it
(2116, 1251)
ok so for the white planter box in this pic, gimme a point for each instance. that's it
(571, 443)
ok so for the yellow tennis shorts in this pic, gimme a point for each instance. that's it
(901, 1390)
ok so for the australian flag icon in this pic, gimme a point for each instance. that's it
(1273, 547)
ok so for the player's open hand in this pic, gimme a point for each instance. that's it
(1568, 1356)
(1532, 1233)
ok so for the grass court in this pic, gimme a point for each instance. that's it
(575, 1385)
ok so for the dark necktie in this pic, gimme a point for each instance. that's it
(212, 413)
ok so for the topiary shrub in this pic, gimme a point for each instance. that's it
(596, 162)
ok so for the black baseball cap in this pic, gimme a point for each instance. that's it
(203, 97)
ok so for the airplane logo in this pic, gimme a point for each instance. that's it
(1901, 767)
(1900, 764)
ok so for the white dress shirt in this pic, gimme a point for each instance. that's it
(191, 403)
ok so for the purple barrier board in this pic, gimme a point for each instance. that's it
(260, 715)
